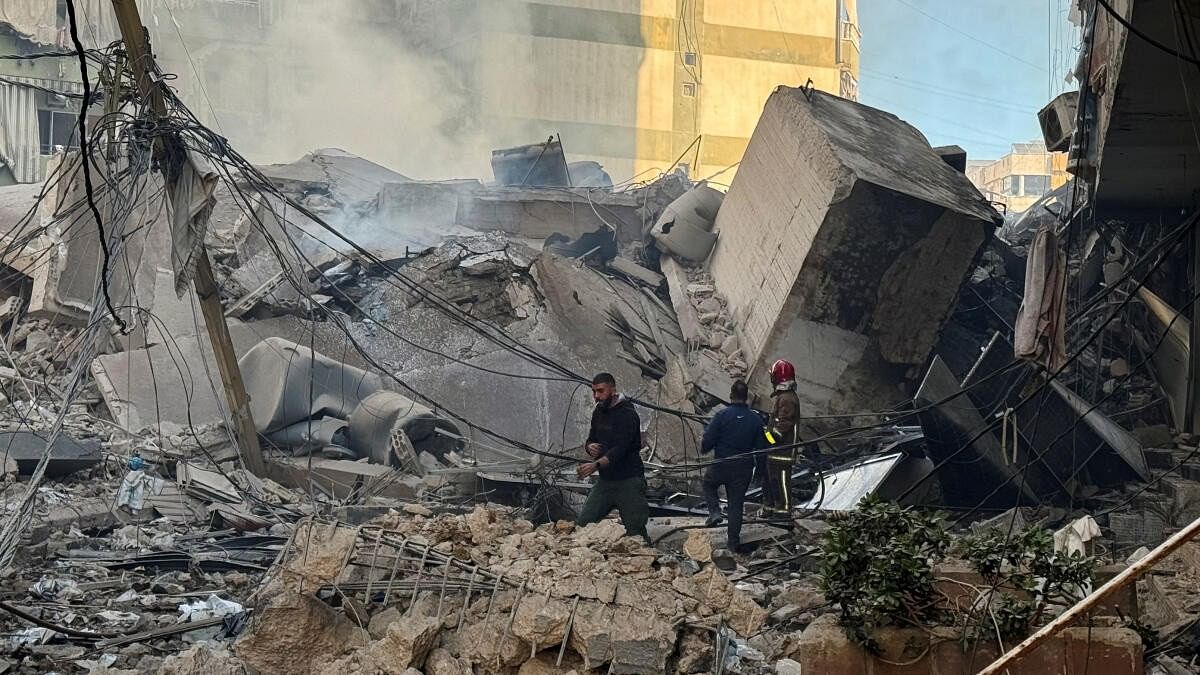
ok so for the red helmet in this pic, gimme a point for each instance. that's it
(782, 371)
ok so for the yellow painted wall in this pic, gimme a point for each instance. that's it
(610, 75)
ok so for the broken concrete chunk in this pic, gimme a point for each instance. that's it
(203, 659)
(291, 632)
(541, 622)
(716, 593)
(709, 305)
(730, 346)
(805, 259)
(379, 623)
(38, 340)
(319, 552)
(698, 546)
(67, 455)
(442, 662)
(485, 645)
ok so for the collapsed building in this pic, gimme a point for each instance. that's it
(414, 356)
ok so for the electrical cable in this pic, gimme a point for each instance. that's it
(105, 254)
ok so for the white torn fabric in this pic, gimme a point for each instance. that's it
(207, 609)
(1073, 538)
(1040, 333)
(20, 144)
(192, 203)
(135, 487)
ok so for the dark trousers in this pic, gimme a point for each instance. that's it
(777, 497)
(735, 475)
(627, 496)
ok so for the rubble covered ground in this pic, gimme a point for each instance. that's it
(320, 417)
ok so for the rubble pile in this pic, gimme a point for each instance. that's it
(88, 593)
(492, 591)
(354, 448)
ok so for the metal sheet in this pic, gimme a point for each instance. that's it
(845, 489)
(973, 472)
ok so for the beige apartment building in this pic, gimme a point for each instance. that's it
(1021, 177)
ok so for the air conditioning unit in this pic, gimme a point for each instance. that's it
(1057, 120)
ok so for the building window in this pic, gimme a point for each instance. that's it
(1036, 186)
(689, 58)
(689, 89)
(1011, 186)
(57, 127)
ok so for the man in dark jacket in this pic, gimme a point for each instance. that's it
(732, 435)
(614, 445)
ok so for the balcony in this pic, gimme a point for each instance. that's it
(851, 34)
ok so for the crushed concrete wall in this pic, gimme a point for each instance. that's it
(843, 242)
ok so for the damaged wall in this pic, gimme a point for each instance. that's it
(843, 242)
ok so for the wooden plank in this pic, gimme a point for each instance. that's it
(635, 271)
(685, 314)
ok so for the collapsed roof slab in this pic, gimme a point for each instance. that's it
(844, 240)
(348, 178)
(449, 207)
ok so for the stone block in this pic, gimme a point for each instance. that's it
(1115, 651)
(540, 621)
(291, 632)
(824, 649)
(442, 662)
(1139, 527)
(698, 546)
(805, 246)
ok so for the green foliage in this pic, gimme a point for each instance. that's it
(877, 566)
(1026, 574)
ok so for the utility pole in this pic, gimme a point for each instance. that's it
(141, 60)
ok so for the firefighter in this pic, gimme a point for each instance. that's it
(781, 434)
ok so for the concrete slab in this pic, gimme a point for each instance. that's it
(341, 478)
(177, 382)
(842, 216)
(67, 455)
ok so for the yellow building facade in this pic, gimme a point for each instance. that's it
(1021, 177)
(641, 85)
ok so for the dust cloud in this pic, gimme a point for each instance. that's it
(391, 85)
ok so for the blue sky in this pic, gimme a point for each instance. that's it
(967, 72)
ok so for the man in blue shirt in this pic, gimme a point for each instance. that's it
(731, 435)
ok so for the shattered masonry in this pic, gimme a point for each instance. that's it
(417, 357)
